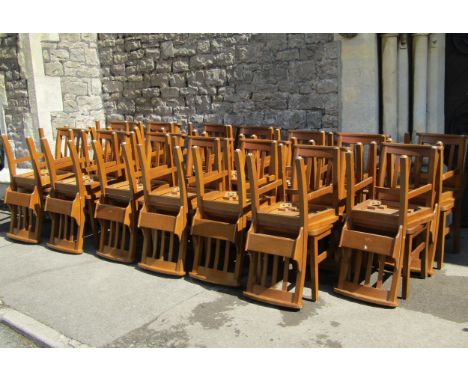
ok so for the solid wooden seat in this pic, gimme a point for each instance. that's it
(393, 229)
(166, 213)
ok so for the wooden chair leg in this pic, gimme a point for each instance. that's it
(440, 253)
(456, 227)
(407, 267)
(314, 278)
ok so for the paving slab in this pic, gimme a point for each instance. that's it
(104, 304)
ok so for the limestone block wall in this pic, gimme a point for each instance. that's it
(74, 58)
(286, 80)
(17, 108)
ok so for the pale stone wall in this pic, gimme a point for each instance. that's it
(286, 80)
(74, 59)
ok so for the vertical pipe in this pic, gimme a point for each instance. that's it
(403, 87)
(436, 83)
(390, 83)
(420, 59)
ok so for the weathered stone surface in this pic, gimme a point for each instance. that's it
(289, 80)
(53, 69)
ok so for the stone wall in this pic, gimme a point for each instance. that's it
(17, 108)
(75, 60)
(285, 80)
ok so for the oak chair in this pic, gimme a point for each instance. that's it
(117, 208)
(453, 186)
(392, 229)
(70, 199)
(219, 223)
(166, 215)
(25, 195)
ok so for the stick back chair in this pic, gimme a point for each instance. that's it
(219, 224)
(25, 195)
(165, 216)
(117, 208)
(453, 187)
(391, 230)
(70, 199)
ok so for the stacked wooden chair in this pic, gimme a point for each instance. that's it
(302, 137)
(73, 193)
(163, 127)
(220, 216)
(281, 232)
(167, 209)
(388, 233)
(117, 208)
(453, 186)
(25, 195)
(260, 132)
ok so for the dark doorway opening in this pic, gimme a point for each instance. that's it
(456, 92)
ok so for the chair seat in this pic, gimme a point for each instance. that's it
(383, 216)
(285, 217)
(169, 197)
(68, 186)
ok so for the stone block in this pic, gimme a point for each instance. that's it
(59, 54)
(163, 67)
(288, 55)
(203, 46)
(314, 120)
(118, 70)
(177, 80)
(112, 86)
(77, 55)
(91, 37)
(120, 58)
(180, 65)
(137, 55)
(91, 56)
(53, 69)
(146, 65)
(327, 86)
(302, 70)
(167, 49)
(70, 37)
(75, 87)
(215, 77)
(159, 79)
(89, 102)
(170, 92)
(201, 61)
(130, 45)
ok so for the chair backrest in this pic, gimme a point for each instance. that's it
(80, 139)
(156, 160)
(210, 154)
(208, 172)
(455, 152)
(80, 188)
(107, 153)
(54, 165)
(422, 172)
(126, 126)
(159, 150)
(220, 131)
(38, 162)
(11, 160)
(163, 127)
(261, 132)
(271, 184)
(322, 175)
(303, 137)
(265, 155)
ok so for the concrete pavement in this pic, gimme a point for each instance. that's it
(103, 304)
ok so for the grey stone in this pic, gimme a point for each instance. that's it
(169, 92)
(203, 46)
(89, 102)
(146, 65)
(180, 65)
(167, 49)
(77, 55)
(59, 54)
(91, 56)
(74, 87)
(112, 86)
(132, 45)
(53, 69)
